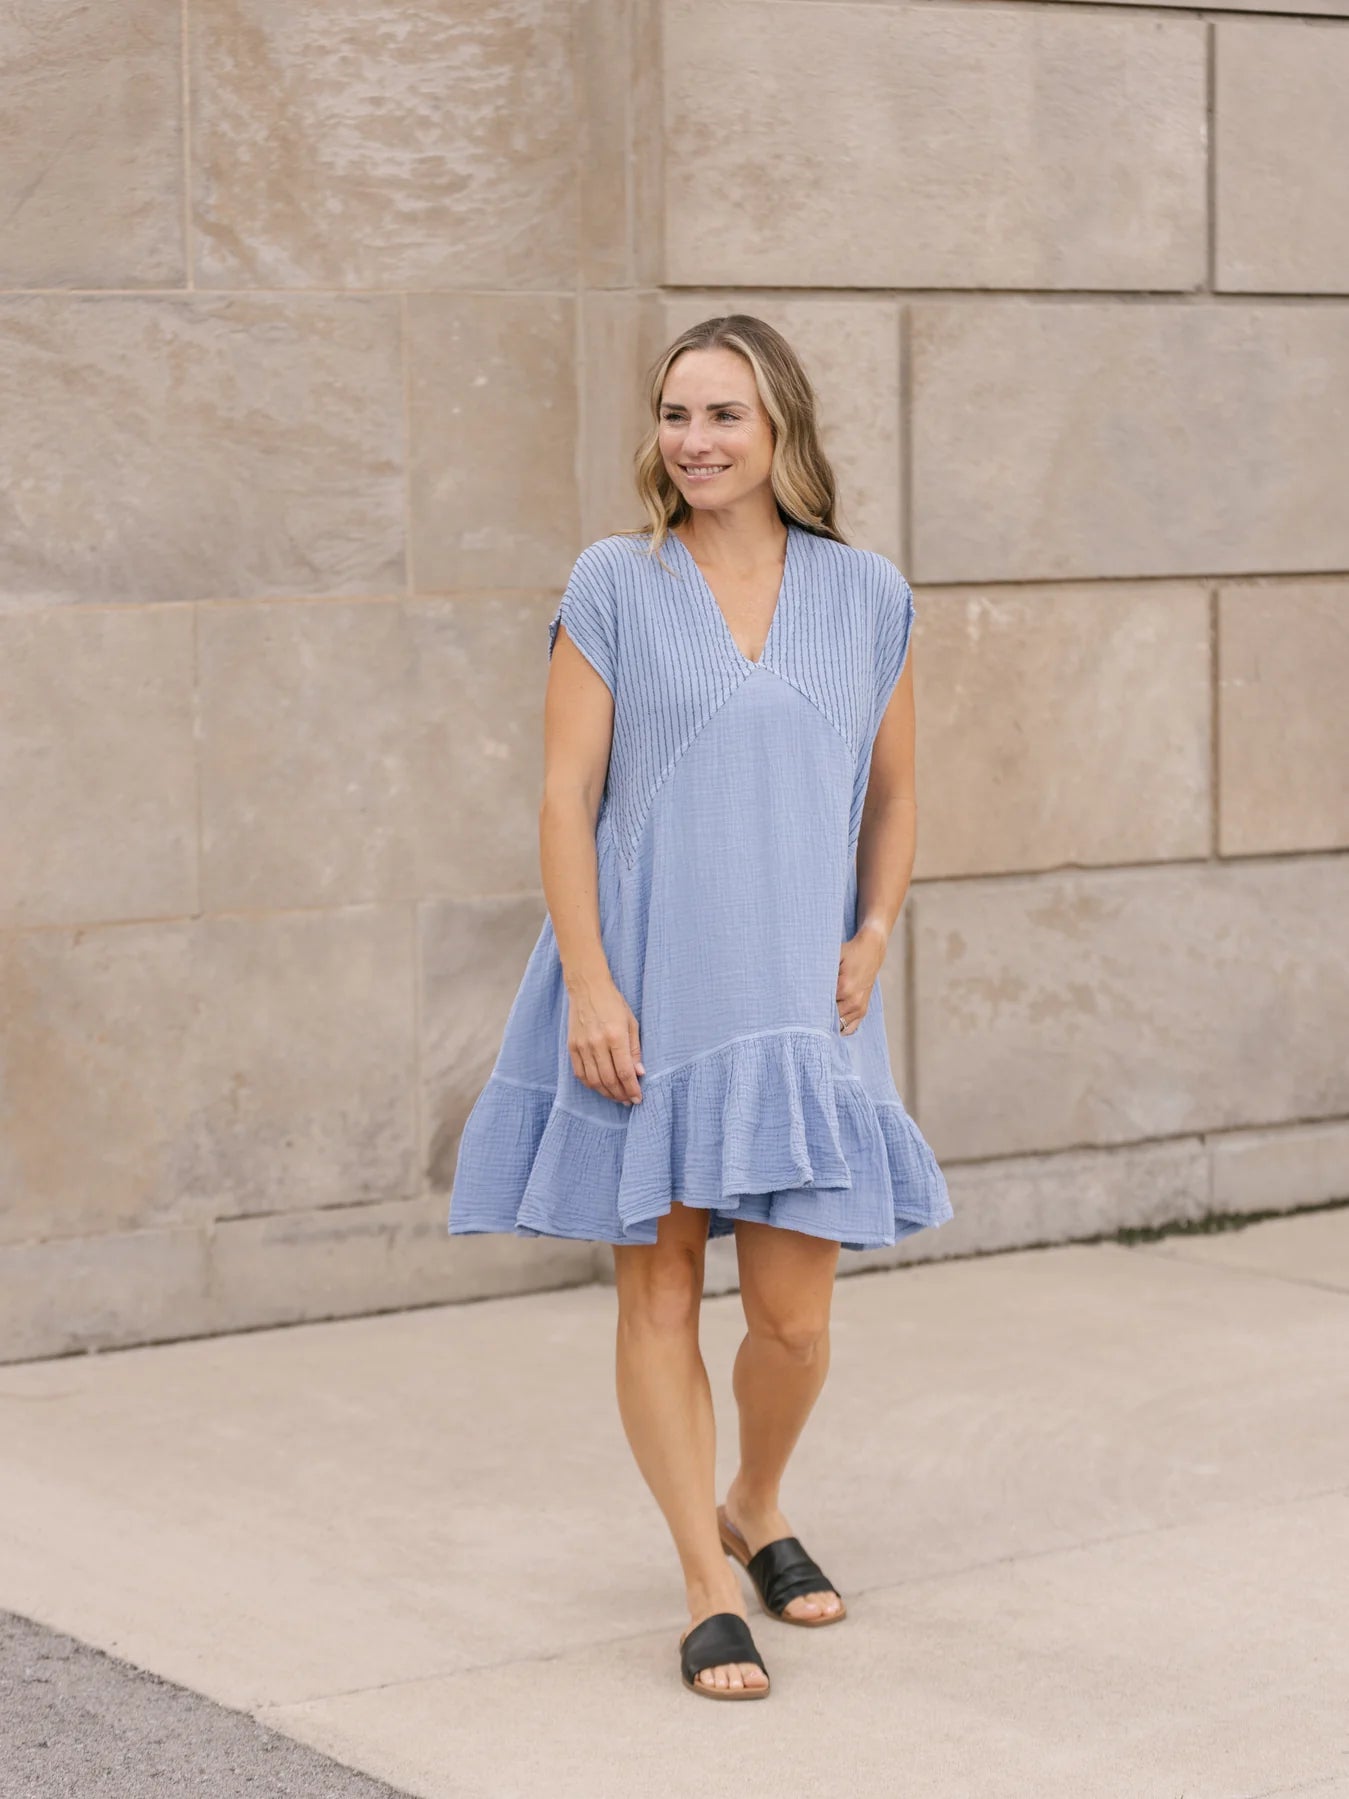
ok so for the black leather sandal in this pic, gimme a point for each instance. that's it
(723, 1637)
(781, 1571)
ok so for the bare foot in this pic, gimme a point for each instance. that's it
(725, 1674)
(760, 1526)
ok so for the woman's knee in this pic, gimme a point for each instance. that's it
(799, 1331)
(660, 1284)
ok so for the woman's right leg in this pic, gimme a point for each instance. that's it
(665, 1403)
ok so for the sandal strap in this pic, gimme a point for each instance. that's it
(782, 1571)
(724, 1637)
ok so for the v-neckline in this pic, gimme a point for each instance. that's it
(748, 661)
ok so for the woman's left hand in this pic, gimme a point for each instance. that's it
(858, 965)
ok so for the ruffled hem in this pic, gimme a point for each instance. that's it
(764, 1128)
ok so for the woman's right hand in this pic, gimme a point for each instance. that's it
(603, 1040)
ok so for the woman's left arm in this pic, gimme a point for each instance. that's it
(886, 843)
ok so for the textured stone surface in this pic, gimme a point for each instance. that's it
(353, 1259)
(177, 1072)
(1056, 439)
(1282, 160)
(1110, 1007)
(200, 447)
(1284, 720)
(1312, 9)
(482, 662)
(493, 410)
(68, 1294)
(851, 353)
(91, 153)
(472, 960)
(98, 809)
(1061, 726)
(945, 147)
(1302, 1164)
(309, 746)
(1075, 1196)
(340, 143)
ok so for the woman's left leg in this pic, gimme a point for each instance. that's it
(786, 1287)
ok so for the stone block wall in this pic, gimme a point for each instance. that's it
(321, 330)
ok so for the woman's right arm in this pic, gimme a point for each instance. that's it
(578, 724)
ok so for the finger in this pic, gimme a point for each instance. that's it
(592, 1076)
(613, 1084)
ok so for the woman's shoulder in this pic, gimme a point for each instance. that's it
(618, 551)
(872, 567)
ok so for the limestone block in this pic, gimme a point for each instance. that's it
(347, 1260)
(482, 662)
(165, 448)
(1026, 1202)
(177, 1072)
(1281, 156)
(816, 145)
(472, 960)
(70, 1294)
(851, 353)
(1056, 439)
(340, 144)
(91, 153)
(1064, 1011)
(493, 409)
(1061, 725)
(1283, 740)
(309, 746)
(1312, 9)
(1299, 1165)
(98, 819)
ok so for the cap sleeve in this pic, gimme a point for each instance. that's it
(587, 608)
(894, 628)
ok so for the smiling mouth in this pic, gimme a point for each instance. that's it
(704, 470)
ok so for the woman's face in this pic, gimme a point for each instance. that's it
(711, 419)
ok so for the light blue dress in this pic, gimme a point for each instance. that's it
(726, 846)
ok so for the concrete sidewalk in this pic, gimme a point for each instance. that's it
(1089, 1506)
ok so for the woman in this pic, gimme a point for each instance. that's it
(697, 1046)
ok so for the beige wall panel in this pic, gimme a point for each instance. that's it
(1061, 725)
(821, 145)
(1284, 726)
(493, 381)
(1281, 136)
(197, 448)
(1302, 1165)
(604, 79)
(345, 1260)
(344, 143)
(851, 352)
(1061, 438)
(1063, 1011)
(309, 744)
(482, 663)
(91, 153)
(614, 413)
(1078, 1195)
(179, 1072)
(71, 1294)
(98, 791)
(472, 960)
(1323, 9)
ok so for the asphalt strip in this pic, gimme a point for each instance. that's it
(78, 1724)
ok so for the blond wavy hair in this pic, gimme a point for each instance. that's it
(801, 477)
